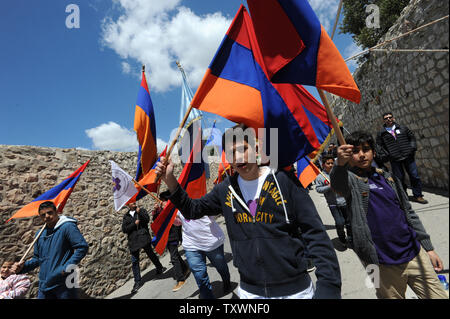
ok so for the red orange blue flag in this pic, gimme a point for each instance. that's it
(296, 48)
(144, 125)
(58, 195)
(306, 171)
(223, 170)
(193, 181)
(237, 87)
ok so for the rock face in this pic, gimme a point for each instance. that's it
(412, 85)
(26, 172)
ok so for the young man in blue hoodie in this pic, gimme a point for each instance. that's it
(264, 211)
(60, 247)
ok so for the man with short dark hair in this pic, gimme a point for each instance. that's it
(397, 144)
(60, 246)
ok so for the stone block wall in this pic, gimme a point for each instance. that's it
(27, 171)
(413, 85)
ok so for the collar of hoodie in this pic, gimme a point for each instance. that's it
(243, 204)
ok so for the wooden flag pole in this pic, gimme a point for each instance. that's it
(330, 113)
(332, 118)
(32, 244)
(150, 193)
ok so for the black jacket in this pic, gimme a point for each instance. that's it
(138, 235)
(268, 251)
(391, 149)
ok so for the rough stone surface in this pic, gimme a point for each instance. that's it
(27, 171)
(412, 85)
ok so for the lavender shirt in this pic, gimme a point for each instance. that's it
(395, 241)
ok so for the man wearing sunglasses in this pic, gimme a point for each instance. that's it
(397, 144)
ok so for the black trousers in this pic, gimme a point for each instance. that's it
(179, 265)
(135, 261)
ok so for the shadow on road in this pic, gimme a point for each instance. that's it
(218, 291)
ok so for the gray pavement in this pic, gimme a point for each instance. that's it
(434, 216)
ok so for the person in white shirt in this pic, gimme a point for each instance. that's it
(203, 238)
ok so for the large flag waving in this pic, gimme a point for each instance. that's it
(58, 195)
(193, 181)
(296, 48)
(236, 86)
(144, 125)
(123, 186)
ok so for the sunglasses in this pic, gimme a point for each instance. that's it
(388, 118)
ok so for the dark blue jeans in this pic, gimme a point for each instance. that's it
(135, 261)
(61, 292)
(408, 165)
(197, 262)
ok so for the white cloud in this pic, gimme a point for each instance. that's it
(157, 33)
(126, 68)
(326, 12)
(111, 136)
(160, 145)
(350, 51)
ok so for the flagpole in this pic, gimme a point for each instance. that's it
(32, 244)
(150, 193)
(330, 113)
(180, 127)
(332, 117)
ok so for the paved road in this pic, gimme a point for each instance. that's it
(434, 216)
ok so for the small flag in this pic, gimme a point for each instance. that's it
(306, 171)
(223, 170)
(58, 195)
(123, 186)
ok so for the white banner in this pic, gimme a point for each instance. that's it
(123, 188)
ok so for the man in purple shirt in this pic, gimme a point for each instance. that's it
(386, 231)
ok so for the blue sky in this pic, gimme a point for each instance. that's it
(77, 88)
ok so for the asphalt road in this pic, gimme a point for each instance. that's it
(434, 216)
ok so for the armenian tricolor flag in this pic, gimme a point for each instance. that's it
(193, 181)
(58, 195)
(223, 170)
(296, 48)
(144, 125)
(237, 87)
(306, 171)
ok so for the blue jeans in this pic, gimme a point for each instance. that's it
(409, 164)
(61, 292)
(197, 262)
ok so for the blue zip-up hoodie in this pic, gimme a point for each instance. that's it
(56, 249)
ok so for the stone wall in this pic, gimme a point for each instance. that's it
(413, 85)
(26, 172)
